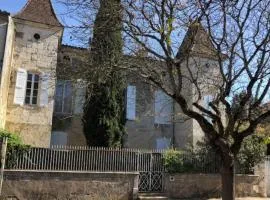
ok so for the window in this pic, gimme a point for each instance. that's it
(131, 103)
(31, 89)
(32, 86)
(79, 97)
(163, 143)
(63, 97)
(163, 108)
(59, 138)
(207, 100)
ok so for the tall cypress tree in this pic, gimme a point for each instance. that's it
(104, 118)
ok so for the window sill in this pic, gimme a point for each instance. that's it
(28, 107)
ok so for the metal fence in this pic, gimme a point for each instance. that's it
(72, 158)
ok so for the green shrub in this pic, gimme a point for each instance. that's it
(175, 163)
(251, 153)
(13, 139)
(15, 147)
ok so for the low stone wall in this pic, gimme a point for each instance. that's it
(36, 185)
(209, 185)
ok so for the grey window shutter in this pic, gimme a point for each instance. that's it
(80, 94)
(163, 108)
(131, 103)
(20, 86)
(44, 88)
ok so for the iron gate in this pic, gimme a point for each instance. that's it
(151, 172)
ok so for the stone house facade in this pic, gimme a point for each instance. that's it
(153, 119)
(29, 54)
(42, 93)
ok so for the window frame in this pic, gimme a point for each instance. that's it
(32, 89)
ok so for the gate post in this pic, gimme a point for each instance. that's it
(3, 160)
(151, 171)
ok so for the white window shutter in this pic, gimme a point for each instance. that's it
(207, 100)
(20, 87)
(44, 88)
(163, 108)
(80, 93)
(131, 103)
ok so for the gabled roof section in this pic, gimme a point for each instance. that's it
(40, 11)
(196, 43)
(4, 13)
(4, 16)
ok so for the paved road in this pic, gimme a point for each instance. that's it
(247, 198)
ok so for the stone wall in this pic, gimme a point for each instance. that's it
(69, 186)
(73, 127)
(209, 185)
(143, 132)
(33, 122)
(6, 70)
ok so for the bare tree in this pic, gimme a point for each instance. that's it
(225, 52)
(196, 48)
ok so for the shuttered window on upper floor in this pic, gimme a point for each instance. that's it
(31, 88)
(69, 97)
(163, 108)
(131, 103)
(207, 100)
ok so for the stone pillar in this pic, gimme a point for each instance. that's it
(260, 170)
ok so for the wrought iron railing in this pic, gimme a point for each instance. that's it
(74, 158)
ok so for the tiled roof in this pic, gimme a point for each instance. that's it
(73, 47)
(40, 11)
(196, 42)
(3, 12)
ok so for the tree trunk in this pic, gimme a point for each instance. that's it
(227, 175)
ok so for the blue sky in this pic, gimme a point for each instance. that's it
(14, 6)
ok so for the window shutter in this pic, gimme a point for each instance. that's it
(207, 100)
(44, 87)
(80, 92)
(131, 103)
(163, 108)
(58, 98)
(20, 86)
